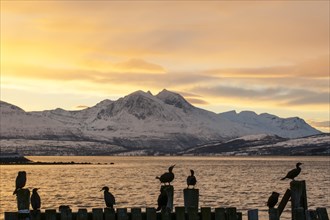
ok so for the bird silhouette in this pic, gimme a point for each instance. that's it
(20, 181)
(109, 199)
(273, 199)
(167, 177)
(35, 199)
(191, 180)
(162, 200)
(293, 173)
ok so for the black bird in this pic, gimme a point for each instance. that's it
(162, 200)
(108, 197)
(273, 199)
(20, 181)
(35, 199)
(191, 180)
(167, 177)
(293, 173)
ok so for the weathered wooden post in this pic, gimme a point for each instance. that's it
(273, 214)
(82, 214)
(169, 189)
(193, 213)
(283, 202)
(322, 213)
(151, 213)
(66, 214)
(190, 197)
(35, 215)
(50, 214)
(23, 203)
(298, 214)
(109, 214)
(231, 213)
(122, 214)
(253, 214)
(97, 213)
(11, 215)
(136, 214)
(298, 196)
(180, 213)
(206, 213)
(220, 214)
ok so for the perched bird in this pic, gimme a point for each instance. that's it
(167, 177)
(293, 173)
(35, 199)
(108, 197)
(20, 181)
(273, 199)
(162, 200)
(191, 180)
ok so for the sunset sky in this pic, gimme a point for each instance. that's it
(263, 56)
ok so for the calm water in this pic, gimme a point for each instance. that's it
(242, 182)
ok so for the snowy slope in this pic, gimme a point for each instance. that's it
(140, 120)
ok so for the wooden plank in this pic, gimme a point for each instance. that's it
(193, 213)
(284, 201)
(151, 214)
(66, 214)
(239, 215)
(11, 216)
(180, 213)
(191, 198)
(273, 214)
(136, 214)
(253, 214)
(50, 214)
(82, 214)
(206, 213)
(311, 215)
(109, 214)
(298, 195)
(220, 214)
(231, 213)
(298, 214)
(97, 213)
(122, 214)
(322, 213)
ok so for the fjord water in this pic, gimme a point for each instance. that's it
(241, 182)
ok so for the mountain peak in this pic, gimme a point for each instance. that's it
(175, 99)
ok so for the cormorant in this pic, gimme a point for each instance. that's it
(108, 197)
(20, 181)
(191, 180)
(162, 200)
(35, 199)
(167, 177)
(293, 173)
(273, 199)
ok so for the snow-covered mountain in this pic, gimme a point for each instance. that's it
(165, 122)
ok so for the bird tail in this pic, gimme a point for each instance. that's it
(283, 178)
(157, 177)
(15, 191)
(158, 208)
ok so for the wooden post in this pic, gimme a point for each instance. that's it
(50, 214)
(190, 197)
(109, 214)
(193, 213)
(283, 202)
(169, 189)
(97, 213)
(35, 215)
(136, 214)
(206, 213)
(151, 214)
(23, 199)
(273, 214)
(166, 215)
(298, 214)
(239, 215)
(66, 214)
(82, 214)
(231, 213)
(11, 216)
(298, 195)
(311, 215)
(122, 214)
(253, 214)
(220, 214)
(180, 213)
(322, 213)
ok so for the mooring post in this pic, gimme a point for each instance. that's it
(151, 213)
(136, 214)
(35, 215)
(122, 214)
(298, 214)
(220, 213)
(50, 214)
(298, 196)
(193, 213)
(23, 203)
(206, 213)
(180, 213)
(190, 197)
(11, 215)
(82, 214)
(169, 189)
(165, 215)
(231, 213)
(109, 214)
(273, 214)
(322, 213)
(66, 214)
(253, 214)
(97, 213)
(283, 202)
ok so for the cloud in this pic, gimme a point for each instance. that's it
(138, 65)
(82, 106)
(322, 124)
(195, 101)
